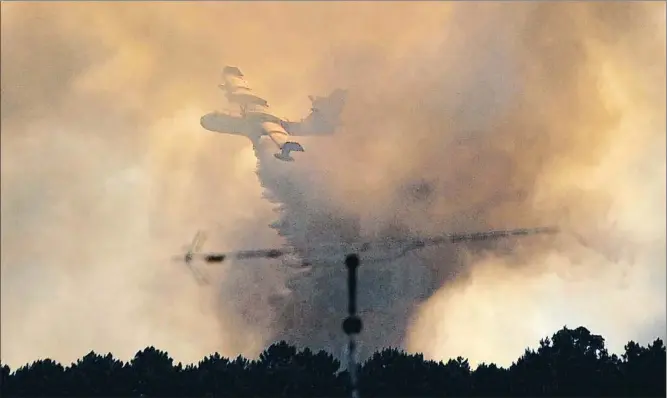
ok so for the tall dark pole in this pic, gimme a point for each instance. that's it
(352, 324)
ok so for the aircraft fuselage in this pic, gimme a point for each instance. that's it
(230, 124)
(249, 125)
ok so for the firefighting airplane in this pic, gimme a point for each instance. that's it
(255, 120)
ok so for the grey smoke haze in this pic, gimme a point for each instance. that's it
(507, 115)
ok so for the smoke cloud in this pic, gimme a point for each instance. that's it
(460, 117)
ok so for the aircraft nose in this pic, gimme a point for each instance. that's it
(204, 121)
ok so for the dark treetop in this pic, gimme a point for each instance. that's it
(573, 362)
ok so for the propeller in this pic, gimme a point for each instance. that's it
(191, 251)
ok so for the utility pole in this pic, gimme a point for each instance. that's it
(352, 325)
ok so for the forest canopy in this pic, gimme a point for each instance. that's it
(572, 362)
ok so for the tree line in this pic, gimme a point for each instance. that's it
(573, 362)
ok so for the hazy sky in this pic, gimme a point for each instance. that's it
(514, 115)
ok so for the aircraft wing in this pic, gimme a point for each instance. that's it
(238, 90)
(282, 139)
(233, 79)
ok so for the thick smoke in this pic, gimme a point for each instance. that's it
(460, 117)
(504, 128)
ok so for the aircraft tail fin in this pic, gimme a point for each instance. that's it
(324, 115)
(330, 106)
